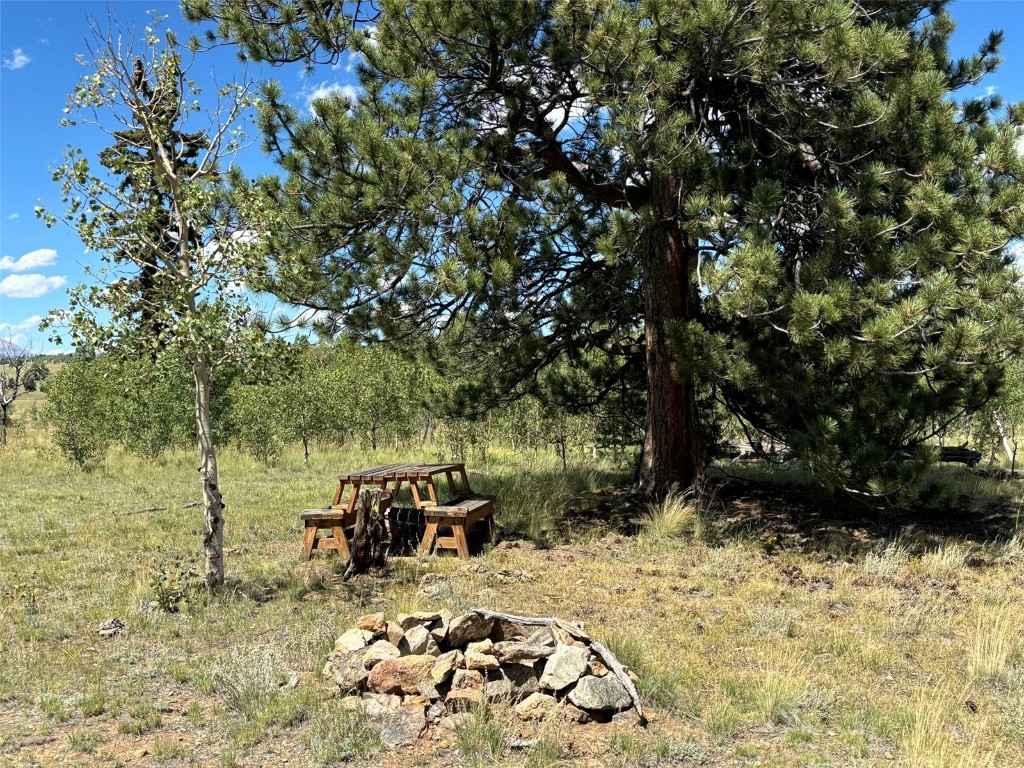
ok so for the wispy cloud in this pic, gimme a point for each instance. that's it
(30, 286)
(37, 259)
(311, 93)
(28, 324)
(14, 216)
(18, 60)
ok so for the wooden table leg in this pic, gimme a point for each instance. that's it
(308, 540)
(427, 544)
(459, 531)
(340, 542)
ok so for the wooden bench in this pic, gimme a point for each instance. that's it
(334, 520)
(330, 520)
(460, 515)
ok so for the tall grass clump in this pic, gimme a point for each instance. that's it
(482, 736)
(886, 561)
(247, 678)
(341, 734)
(995, 637)
(674, 517)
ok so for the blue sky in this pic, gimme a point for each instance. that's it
(39, 41)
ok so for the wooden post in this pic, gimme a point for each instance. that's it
(367, 550)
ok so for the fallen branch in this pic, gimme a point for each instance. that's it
(577, 633)
(159, 509)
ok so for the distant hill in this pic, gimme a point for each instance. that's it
(9, 349)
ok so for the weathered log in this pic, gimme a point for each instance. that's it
(368, 549)
(577, 633)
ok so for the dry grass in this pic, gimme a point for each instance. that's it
(749, 652)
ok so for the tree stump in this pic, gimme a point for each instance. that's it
(368, 549)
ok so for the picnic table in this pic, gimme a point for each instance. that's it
(461, 512)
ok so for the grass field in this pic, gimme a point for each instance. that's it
(765, 632)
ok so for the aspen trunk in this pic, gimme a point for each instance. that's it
(213, 504)
(674, 452)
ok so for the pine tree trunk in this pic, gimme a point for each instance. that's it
(213, 505)
(674, 452)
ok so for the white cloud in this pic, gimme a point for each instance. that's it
(14, 216)
(312, 93)
(28, 324)
(18, 60)
(40, 257)
(30, 286)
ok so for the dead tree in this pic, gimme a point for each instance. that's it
(368, 547)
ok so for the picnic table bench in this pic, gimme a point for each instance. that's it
(461, 513)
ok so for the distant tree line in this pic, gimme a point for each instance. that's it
(313, 396)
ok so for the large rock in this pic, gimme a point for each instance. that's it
(402, 728)
(536, 706)
(480, 655)
(349, 672)
(468, 628)
(564, 667)
(467, 689)
(418, 640)
(600, 693)
(439, 627)
(402, 675)
(445, 664)
(353, 640)
(523, 678)
(507, 651)
(379, 651)
(395, 632)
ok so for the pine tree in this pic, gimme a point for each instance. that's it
(780, 206)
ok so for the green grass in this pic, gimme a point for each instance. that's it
(731, 654)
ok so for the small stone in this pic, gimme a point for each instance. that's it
(504, 631)
(499, 690)
(377, 705)
(480, 655)
(467, 679)
(417, 700)
(379, 651)
(468, 628)
(429, 690)
(445, 664)
(626, 717)
(426, 617)
(542, 636)
(576, 715)
(417, 640)
(515, 651)
(353, 640)
(602, 693)
(407, 621)
(435, 712)
(372, 622)
(536, 706)
(463, 698)
(455, 721)
(401, 675)
(565, 666)
(597, 668)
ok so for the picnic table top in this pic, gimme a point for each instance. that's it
(392, 472)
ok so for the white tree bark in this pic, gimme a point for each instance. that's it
(213, 504)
